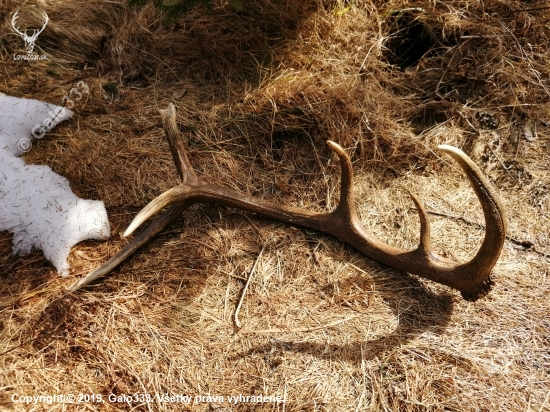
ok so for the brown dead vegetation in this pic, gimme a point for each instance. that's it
(258, 93)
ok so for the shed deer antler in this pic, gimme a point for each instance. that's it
(472, 279)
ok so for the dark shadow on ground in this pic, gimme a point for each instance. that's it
(416, 307)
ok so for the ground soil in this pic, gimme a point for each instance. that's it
(258, 92)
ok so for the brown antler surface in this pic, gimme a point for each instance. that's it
(472, 279)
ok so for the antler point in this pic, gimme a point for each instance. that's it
(339, 150)
(450, 150)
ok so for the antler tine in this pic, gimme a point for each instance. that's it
(186, 174)
(346, 206)
(425, 243)
(179, 154)
(133, 246)
(495, 226)
(472, 279)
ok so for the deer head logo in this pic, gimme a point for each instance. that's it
(29, 40)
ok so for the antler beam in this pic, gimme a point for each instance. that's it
(472, 279)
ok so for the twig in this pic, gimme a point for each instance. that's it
(520, 10)
(305, 329)
(237, 323)
(527, 244)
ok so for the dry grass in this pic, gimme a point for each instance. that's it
(258, 93)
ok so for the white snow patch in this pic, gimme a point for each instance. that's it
(36, 204)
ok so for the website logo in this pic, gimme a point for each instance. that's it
(29, 36)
